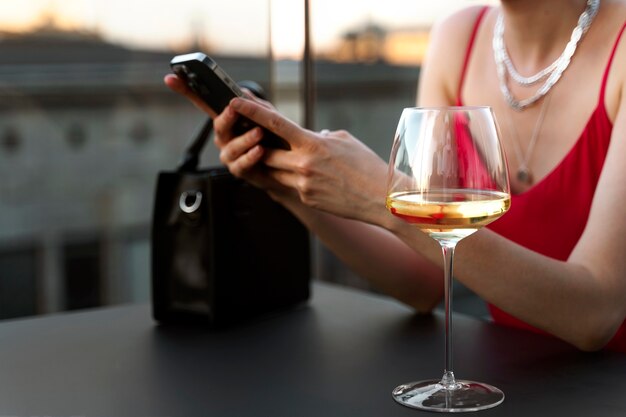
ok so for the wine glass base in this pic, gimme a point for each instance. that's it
(431, 395)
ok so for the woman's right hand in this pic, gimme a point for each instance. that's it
(241, 154)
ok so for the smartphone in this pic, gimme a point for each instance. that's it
(211, 83)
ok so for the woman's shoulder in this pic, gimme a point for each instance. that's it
(449, 42)
(459, 25)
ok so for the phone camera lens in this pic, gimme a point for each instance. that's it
(191, 81)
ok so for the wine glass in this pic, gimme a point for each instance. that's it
(448, 177)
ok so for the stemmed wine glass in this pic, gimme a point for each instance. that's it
(448, 176)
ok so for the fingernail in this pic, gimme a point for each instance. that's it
(236, 103)
(257, 150)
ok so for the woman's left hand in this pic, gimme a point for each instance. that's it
(331, 171)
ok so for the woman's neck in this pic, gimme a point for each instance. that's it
(536, 31)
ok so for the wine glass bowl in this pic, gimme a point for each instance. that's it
(448, 177)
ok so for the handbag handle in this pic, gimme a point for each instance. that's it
(191, 157)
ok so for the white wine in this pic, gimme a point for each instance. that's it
(452, 214)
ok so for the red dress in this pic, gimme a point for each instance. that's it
(550, 217)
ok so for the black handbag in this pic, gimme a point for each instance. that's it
(222, 251)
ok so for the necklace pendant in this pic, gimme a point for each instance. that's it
(524, 175)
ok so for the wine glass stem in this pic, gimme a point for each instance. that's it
(447, 248)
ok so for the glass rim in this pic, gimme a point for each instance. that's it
(448, 108)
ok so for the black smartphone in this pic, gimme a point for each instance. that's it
(211, 83)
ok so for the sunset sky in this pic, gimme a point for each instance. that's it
(233, 25)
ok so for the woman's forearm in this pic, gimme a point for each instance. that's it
(378, 256)
(563, 298)
(567, 299)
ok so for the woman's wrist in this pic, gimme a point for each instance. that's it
(290, 199)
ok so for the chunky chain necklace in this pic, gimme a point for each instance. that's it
(552, 73)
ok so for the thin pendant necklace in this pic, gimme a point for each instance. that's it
(524, 174)
(552, 73)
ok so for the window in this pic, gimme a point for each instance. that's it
(11, 140)
(19, 291)
(76, 136)
(82, 267)
(140, 131)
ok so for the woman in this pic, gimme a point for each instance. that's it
(556, 261)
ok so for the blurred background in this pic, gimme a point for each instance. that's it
(86, 122)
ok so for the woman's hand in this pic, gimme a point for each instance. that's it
(179, 86)
(330, 171)
(241, 154)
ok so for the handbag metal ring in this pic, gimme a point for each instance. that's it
(182, 202)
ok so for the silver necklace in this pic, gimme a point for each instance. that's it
(552, 73)
(524, 173)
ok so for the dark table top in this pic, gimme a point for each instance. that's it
(340, 355)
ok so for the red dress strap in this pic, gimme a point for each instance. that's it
(608, 65)
(468, 52)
